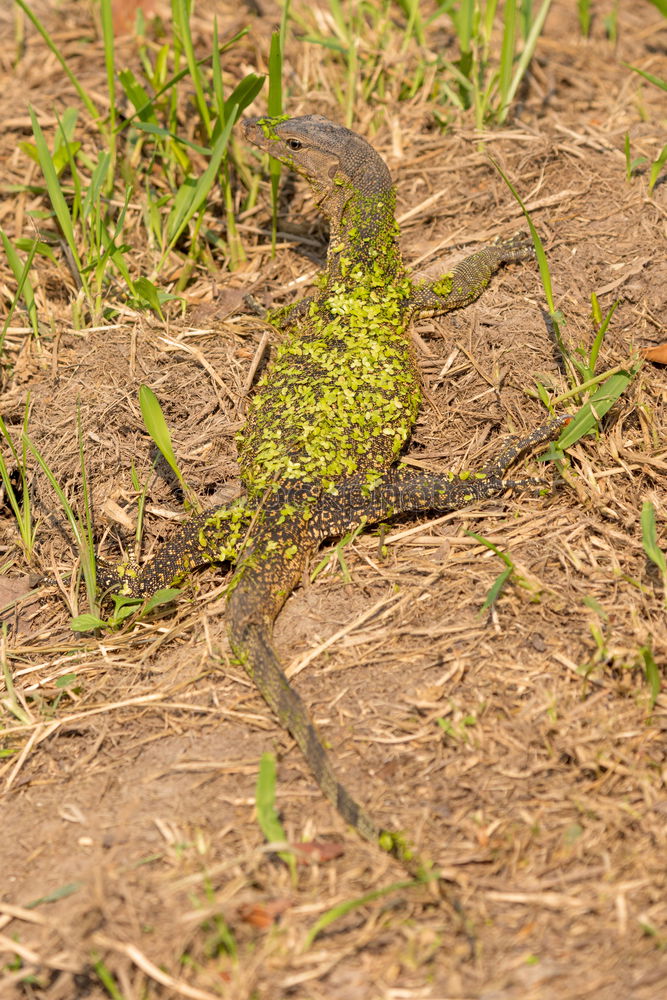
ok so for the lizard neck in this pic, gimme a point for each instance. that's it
(363, 241)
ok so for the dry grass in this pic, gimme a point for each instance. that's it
(538, 787)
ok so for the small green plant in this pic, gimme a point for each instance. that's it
(610, 22)
(457, 731)
(584, 12)
(509, 573)
(579, 364)
(362, 33)
(651, 673)
(632, 165)
(349, 905)
(106, 978)
(275, 108)
(156, 426)
(154, 178)
(124, 608)
(651, 546)
(19, 501)
(265, 806)
(81, 527)
(661, 158)
(483, 85)
(24, 287)
(336, 552)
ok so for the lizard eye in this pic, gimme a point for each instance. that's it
(294, 144)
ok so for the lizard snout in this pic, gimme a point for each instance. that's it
(248, 125)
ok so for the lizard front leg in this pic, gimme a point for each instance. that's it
(404, 490)
(216, 535)
(469, 278)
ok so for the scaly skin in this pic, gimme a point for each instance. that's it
(319, 451)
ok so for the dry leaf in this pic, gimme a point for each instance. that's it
(124, 13)
(318, 851)
(657, 353)
(263, 914)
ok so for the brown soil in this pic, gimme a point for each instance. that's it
(518, 747)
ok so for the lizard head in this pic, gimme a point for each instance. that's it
(329, 156)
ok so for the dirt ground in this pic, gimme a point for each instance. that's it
(518, 747)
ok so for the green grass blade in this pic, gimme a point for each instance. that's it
(64, 502)
(599, 337)
(106, 978)
(176, 78)
(656, 167)
(584, 12)
(156, 425)
(462, 18)
(55, 195)
(88, 550)
(109, 63)
(143, 106)
(20, 508)
(243, 94)
(652, 673)
(537, 242)
(81, 535)
(496, 589)
(265, 805)
(525, 58)
(21, 272)
(91, 108)
(218, 86)
(284, 20)
(506, 56)
(555, 315)
(197, 194)
(146, 290)
(275, 107)
(91, 201)
(595, 408)
(498, 584)
(181, 10)
(336, 912)
(658, 81)
(650, 538)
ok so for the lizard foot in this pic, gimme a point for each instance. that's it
(516, 446)
(516, 247)
(255, 306)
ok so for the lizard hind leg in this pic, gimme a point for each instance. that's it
(213, 536)
(403, 490)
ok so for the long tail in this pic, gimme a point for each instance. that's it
(265, 576)
(251, 643)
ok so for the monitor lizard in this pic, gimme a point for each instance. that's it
(319, 452)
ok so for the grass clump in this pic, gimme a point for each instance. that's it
(150, 176)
